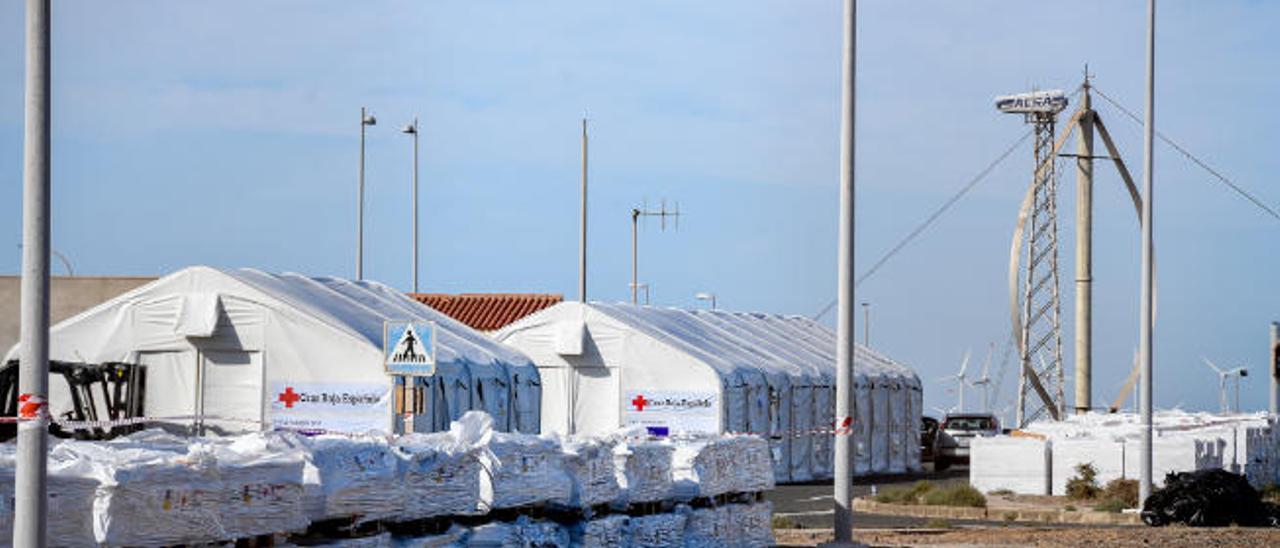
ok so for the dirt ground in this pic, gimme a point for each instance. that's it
(1162, 537)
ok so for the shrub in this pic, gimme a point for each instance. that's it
(1122, 490)
(1011, 516)
(957, 494)
(1084, 486)
(785, 522)
(1001, 492)
(1111, 505)
(905, 495)
(1069, 508)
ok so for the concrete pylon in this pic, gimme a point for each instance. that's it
(1084, 255)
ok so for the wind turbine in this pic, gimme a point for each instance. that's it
(959, 378)
(985, 380)
(1222, 384)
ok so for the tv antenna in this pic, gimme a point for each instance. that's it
(636, 214)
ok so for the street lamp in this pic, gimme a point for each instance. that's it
(412, 129)
(707, 297)
(366, 119)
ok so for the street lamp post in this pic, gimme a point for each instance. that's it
(30, 503)
(412, 129)
(1146, 314)
(843, 446)
(866, 324)
(366, 119)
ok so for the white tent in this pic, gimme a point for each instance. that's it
(608, 365)
(291, 351)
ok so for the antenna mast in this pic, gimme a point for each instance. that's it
(636, 214)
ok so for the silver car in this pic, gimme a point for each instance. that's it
(956, 432)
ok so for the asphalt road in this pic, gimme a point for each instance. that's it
(810, 504)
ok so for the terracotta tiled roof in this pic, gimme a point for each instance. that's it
(487, 311)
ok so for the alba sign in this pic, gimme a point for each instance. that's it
(1050, 102)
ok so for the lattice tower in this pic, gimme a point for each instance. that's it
(1041, 348)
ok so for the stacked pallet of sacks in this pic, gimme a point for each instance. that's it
(470, 485)
(149, 493)
(447, 473)
(1182, 442)
(722, 465)
(530, 472)
(345, 478)
(71, 494)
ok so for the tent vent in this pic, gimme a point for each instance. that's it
(198, 316)
(569, 336)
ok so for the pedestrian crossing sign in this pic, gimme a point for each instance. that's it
(409, 348)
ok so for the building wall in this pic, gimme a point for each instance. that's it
(68, 296)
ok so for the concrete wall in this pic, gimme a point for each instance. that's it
(69, 296)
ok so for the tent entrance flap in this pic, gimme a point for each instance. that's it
(173, 374)
(231, 387)
(595, 393)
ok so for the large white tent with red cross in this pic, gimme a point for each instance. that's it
(605, 366)
(245, 349)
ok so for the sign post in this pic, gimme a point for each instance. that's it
(409, 351)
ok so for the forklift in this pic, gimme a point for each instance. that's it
(99, 392)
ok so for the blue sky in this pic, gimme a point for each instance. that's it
(188, 133)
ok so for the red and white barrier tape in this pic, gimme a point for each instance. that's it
(845, 429)
(68, 424)
(32, 407)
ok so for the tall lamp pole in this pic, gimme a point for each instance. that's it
(866, 324)
(1146, 320)
(366, 119)
(845, 314)
(30, 489)
(412, 129)
(582, 235)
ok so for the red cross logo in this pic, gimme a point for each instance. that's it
(639, 402)
(289, 397)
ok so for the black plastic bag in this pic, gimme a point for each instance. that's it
(1208, 498)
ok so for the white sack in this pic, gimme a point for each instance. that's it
(261, 489)
(607, 532)
(448, 473)
(349, 477)
(709, 528)
(726, 464)
(522, 533)
(151, 496)
(751, 525)
(644, 470)
(659, 530)
(70, 499)
(590, 465)
(1020, 465)
(1106, 455)
(530, 470)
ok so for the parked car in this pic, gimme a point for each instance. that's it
(928, 438)
(955, 434)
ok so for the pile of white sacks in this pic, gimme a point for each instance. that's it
(1044, 456)
(156, 489)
